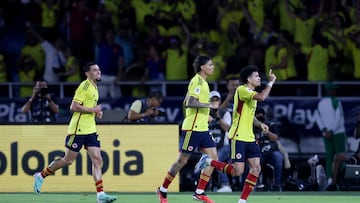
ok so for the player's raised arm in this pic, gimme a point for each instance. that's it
(266, 91)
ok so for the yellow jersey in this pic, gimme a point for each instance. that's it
(84, 123)
(196, 119)
(243, 115)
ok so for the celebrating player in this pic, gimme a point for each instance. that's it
(195, 130)
(243, 144)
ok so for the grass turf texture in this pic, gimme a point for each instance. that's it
(257, 197)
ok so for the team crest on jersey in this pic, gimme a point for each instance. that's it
(74, 145)
(190, 148)
(197, 90)
(238, 156)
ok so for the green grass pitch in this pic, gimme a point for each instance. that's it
(183, 197)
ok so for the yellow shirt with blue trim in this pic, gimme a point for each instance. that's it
(84, 123)
(196, 119)
(243, 115)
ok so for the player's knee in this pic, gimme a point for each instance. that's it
(238, 171)
(97, 161)
(256, 170)
(214, 157)
(181, 162)
(68, 161)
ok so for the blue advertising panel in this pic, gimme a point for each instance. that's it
(296, 118)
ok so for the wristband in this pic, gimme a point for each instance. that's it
(270, 84)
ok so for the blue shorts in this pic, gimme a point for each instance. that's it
(241, 151)
(76, 142)
(192, 140)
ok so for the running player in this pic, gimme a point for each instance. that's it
(82, 132)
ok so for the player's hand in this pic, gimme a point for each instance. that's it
(97, 109)
(264, 128)
(272, 76)
(99, 115)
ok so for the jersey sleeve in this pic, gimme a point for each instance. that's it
(245, 93)
(194, 89)
(79, 94)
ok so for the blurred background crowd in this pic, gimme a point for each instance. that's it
(156, 40)
(149, 42)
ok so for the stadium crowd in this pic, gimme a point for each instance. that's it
(157, 40)
(154, 40)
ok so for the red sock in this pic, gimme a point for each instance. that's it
(168, 179)
(99, 186)
(203, 181)
(249, 185)
(47, 171)
(224, 167)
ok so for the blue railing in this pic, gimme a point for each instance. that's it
(282, 89)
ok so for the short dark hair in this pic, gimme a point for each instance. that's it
(246, 72)
(39, 79)
(199, 61)
(156, 94)
(87, 66)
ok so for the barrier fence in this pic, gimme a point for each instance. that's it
(178, 88)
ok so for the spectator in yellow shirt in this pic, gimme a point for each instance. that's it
(304, 23)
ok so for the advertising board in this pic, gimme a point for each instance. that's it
(136, 158)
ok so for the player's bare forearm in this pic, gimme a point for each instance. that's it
(192, 102)
(76, 107)
(257, 123)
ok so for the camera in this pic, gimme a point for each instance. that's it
(213, 112)
(43, 91)
(161, 113)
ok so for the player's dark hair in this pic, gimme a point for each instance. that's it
(246, 72)
(199, 61)
(87, 66)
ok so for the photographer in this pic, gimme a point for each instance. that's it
(218, 129)
(41, 104)
(145, 110)
(272, 150)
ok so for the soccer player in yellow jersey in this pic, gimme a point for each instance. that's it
(243, 144)
(82, 132)
(195, 130)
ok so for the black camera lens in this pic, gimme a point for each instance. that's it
(43, 91)
(161, 113)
